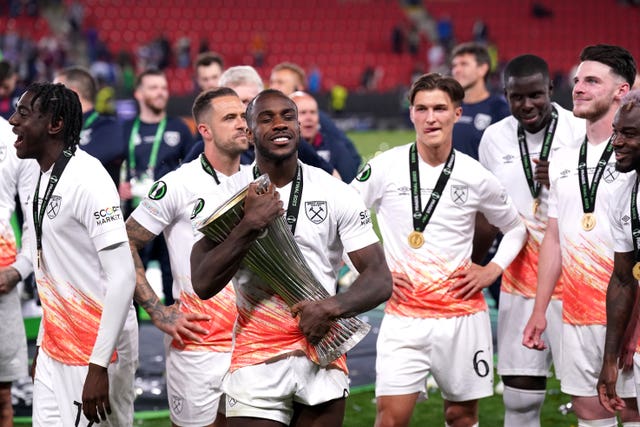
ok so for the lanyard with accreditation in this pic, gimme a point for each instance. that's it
(38, 214)
(294, 197)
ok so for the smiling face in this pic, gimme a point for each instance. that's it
(153, 93)
(626, 138)
(433, 115)
(274, 127)
(596, 90)
(32, 127)
(530, 101)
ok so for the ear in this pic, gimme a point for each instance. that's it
(56, 126)
(250, 136)
(550, 87)
(203, 130)
(622, 90)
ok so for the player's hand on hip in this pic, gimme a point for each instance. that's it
(474, 279)
(401, 286)
(532, 335)
(95, 394)
(180, 325)
(9, 278)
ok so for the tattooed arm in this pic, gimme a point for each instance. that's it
(170, 319)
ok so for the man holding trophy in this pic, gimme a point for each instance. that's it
(278, 373)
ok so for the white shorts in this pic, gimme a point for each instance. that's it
(268, 390)
(513, 357)
(636, 376)
(457, 351)
(13, 351)
(57, 391)
(582, 353)
(194, 386)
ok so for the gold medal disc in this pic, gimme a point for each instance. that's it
(588, 221)
(636, 271)
(416, 239)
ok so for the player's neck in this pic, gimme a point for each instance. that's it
(476, 93)
(49, 157)
(599, 130)
(280, 172)
(149, 116)
(434, 155)
(223, 162)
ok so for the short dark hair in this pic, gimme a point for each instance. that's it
(82, 79)
(524, 66)
(207, 58)
(266, 92)
(202, 104)
(6, 70)
(63, 104)
(148, 72)
(478, 50)
(617, 58)
(436, 81)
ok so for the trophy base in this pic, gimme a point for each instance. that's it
(329, 350)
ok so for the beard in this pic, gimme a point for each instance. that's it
(595, 111)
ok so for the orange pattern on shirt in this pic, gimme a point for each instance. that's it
(584, 299)
(520, 277)
(8, 249)
(70, 322)
(222, 310)
(429, 296)
(268, 332)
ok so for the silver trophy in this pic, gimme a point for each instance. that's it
(276, 258)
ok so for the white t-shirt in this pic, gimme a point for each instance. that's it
(385, 186)
(587, 256)
(168, 209)
(620, 216)
(499, 152)
(332, 219)
(83, 216)
(15, 179)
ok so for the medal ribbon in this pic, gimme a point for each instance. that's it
(534, 187)
(295, 196)
(153, 158)
(38, 215)
(635, 221)
(208, 168)
(421, 218)
(92, 118)
(588, 193)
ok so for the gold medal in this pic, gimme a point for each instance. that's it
(416, 239)
(588, 221)
(536, 204)
(636, 271)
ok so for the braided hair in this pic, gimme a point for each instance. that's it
(63, 104)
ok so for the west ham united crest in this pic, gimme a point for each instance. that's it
(177, 404)
(610, 174)
(316, 211)
(459, 194)
(54, 206)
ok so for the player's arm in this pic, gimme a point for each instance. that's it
(621, 296)
(118, 267)
(169, 320)
(549, 269)
(483, 237)
(213, 266)
(372, 287)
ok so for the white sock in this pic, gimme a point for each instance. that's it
(608, 422)
(631, 424)
(475, 425)
(522, 407)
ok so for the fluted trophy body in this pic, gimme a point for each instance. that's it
(276, 258)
